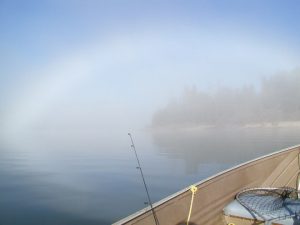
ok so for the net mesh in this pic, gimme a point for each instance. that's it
(271, 204)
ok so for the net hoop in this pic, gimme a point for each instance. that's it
(270, 203)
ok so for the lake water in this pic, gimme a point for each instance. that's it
(91, 178)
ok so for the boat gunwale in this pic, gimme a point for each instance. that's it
(206, 180)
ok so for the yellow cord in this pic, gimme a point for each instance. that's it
(193, 189)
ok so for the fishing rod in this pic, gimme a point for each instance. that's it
(145, 185)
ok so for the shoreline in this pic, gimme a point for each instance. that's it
(282, 124)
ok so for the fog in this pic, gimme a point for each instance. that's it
(230, 125)
(275, 102)
(77, 76)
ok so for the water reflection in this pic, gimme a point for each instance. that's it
(222, 145)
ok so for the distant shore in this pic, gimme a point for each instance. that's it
(274, 124)
(188, 127)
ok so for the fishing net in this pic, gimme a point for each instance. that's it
(269, 204)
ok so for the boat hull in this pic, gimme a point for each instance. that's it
(273, 170)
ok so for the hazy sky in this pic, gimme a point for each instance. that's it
(111, 64)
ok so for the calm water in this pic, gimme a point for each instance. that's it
(87, 178)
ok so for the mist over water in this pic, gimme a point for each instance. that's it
(78, 167)
(86, 174)
(77, 76)
(74, 165)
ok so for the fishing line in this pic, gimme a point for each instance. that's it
(145, 185)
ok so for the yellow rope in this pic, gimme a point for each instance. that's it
(193, 189)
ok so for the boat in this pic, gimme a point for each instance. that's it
(260, 191)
